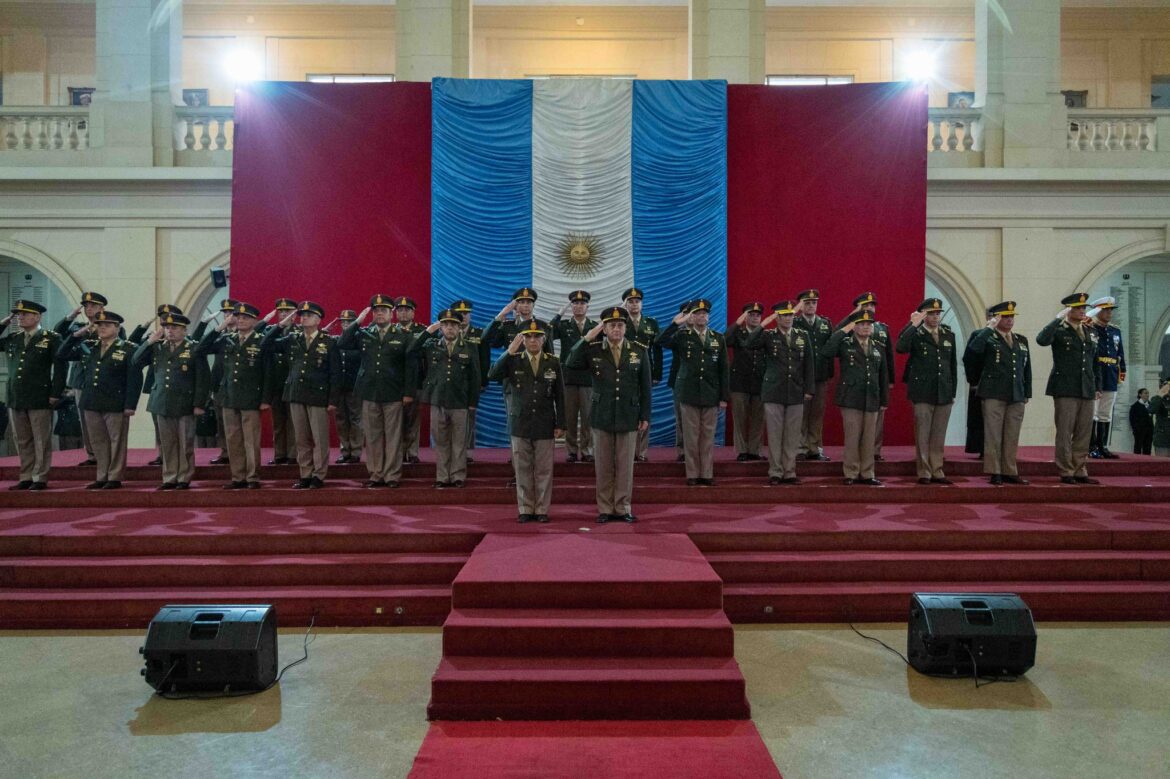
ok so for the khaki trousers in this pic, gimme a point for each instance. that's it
(930, 438)
(382, 423)
(860, 429)
(449, 431)
(84, 433)
(578, 435)
(470, 428)
(1074, 428)
(614, 466)
(643, 443)
(242, 429)
(311, 427)
(678, 428)
(107, 434)
(177, 448)
(283, 438)
(699, 440)
(1001, 436)
(879, 431)
(1103, 408)
(784, 424)
(813, 423)
(532, 461)
(411, 425)
(32, 428)
(349, 424)
(747, 417)
(220, 430)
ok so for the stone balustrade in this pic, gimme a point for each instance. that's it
(44, 128)
(954, 129)
(1105, 130)
(207, 129)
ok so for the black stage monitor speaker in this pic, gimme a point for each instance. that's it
(219, 278)
(961, 632)
(211, 647)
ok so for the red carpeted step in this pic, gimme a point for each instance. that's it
(659, 571)
(757, 567)
(230, 570)
(516, 688)
(679, 749)
(588, 632)
(134, 608)
(889, 601)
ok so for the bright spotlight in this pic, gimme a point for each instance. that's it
(918, 66)
(242, 66)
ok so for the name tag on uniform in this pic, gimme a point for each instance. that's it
(119, 356)
(463, 356)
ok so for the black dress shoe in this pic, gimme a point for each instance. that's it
(253, 485)
(221, 460)
(440, 485)
(390, 484)
(641, 458)
(603, 518)
(755, 457)
(276, 461)
(155, 461)
(470, 459)
(38, 486)
(1085, 480)
(570, 458)
(707, 482)
(370, 483)
(411, 459)
(235, 485)
(924, 481)
(1108, 455)
(112, 485)
(682, 458)
(791, 480)
(89, 461)
(166, 485)
(315, 483)
(183, 485)
(995, 479)
(586, 458)
(95, 485)
(342, 460)
(302, 484)
(850, 482)
(1067, 480)
(877, 458)
(1015, 480)
(628, 518)
(775, 480)
(870, 482)
(542, 519)
(526, 518)
(21, 485)
(693, 482)
(457, 484)
(941, 480)
(1095, 454)
(742, 457)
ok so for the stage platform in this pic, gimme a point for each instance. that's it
(820, 551)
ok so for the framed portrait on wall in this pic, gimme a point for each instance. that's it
(82, 96)
(196, 98)
(960, 99)
(1075, 98)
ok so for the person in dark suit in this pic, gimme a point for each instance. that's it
(1141, 422)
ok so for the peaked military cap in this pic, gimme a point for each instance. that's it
(864, 297)
(309, 307)
(1006, 308)
(402, 301)
(246, 309)
(450, 315)
(808, 294)
(462, 306)
(1103, 303)
(701, 304)
(227, 305)
(109, 317)
(174, 319)
(615, 314)
(685, 306)
(168, 308)
(1075, 300)
(94, 297)
(861, 316)
(525, 293)
(931, 304)
(286, 304)
(532, 327)
(347, 315)
(27, 307)
(785, 307)
(580, 296)
(381, 301)
(632, 292)
(753, 308)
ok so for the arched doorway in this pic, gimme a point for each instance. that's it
(963, 319)
(200, 297)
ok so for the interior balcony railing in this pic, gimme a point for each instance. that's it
(44, 128)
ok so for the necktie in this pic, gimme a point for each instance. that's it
(534, 361)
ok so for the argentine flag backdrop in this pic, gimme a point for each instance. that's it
(567, 184)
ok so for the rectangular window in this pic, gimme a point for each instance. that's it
(805, 80)
(348, 78)
(1160, 92)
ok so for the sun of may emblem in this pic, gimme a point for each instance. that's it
(580, 255)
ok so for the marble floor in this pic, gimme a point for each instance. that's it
(828, 704)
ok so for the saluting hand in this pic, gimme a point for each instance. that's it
(596, 331)
(155, 335)
(432, 327)
(508, 309)
(770, 319)
(848, 328)
(268, 317)
(916, 318)
(365, 313)
(741, 318)
(6, 320)
(681, 317)
(226, 323)
(517, 342)
(565, 308)
(73, 314)
(288, 319)
(1164, 389)
(1064, 312)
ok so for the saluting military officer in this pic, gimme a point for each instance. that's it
(621, 407)
(36, 379)
(451, 387)
(226, 307)
(1074, 384)
(931, 375)
(137, 337)
(643, 331)
(385, 384)
(238, 343)
(474, 336)
(312, 388)
(92, 303)
(789, 382)
(862, 392)
(109, 395)
(1111, 359)
(701, 387)
(747, 378)
(501, 331)
(349, 405)
(180, 393)
(867, 301)
(578, 383)
(536, 417)
(404, 310)
(819, 330)
(679, 449)
(1005, 385)
(283, 437)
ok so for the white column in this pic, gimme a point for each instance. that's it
(166, 64)
(432, 38)
(727, 40)
(121, 120)
(1017, 82)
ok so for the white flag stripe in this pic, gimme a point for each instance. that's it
(581, 185)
